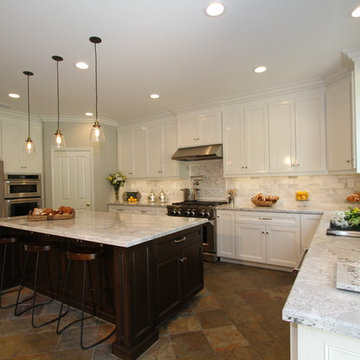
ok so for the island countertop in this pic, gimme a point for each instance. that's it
(124, 230)
(314, 299)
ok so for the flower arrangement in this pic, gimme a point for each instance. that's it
(117, 180)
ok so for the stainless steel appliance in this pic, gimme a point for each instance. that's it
(199, 153)
(21, 193)
(200, 209)
(190, 194)
(21, 207)
(22, 186)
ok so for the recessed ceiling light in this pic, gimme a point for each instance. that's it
(260, 69)
(356, 12)
(82, 65)
(14, 96)
(154, 96)
(89, 114)
(215, 9)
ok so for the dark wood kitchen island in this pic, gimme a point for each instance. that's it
(151, 264)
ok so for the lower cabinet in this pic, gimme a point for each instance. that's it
(309, 225)
(178, 271)
(267, 238)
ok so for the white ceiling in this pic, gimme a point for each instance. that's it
(166, 46)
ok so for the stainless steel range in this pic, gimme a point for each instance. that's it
(200, 209)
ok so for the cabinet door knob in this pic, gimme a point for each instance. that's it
(184, 259)
(348, 161)
(263, 232)
(267, 233)
(88, 204)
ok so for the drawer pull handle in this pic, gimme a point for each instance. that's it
(143, 211)
(265, 218)
(180, 240)
(184, 259)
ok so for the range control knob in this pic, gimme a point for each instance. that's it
(192, 213)
(173, 212)
(207, 214)
(187, 213)
(202, 213)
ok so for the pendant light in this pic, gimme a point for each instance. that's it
(29, 145)
(59, 141)
(96, 133)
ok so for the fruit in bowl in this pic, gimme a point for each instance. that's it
(302, 195)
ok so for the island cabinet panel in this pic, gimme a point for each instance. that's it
(179, 271)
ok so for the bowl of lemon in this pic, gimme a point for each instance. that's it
(302, 195)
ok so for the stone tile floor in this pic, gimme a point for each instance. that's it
(237, 316)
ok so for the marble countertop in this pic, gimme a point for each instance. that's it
(275, 209)
(110, 228)
(140, 203)
(314, 299)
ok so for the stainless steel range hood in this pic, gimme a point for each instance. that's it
(206, 152)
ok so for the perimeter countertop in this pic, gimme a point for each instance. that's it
(140, 203)
(109, 228)
(314, 299)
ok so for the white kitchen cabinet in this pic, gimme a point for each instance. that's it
(297, 134)
(282, 245)
(309, 225)
(259, 237)
(16, 160)
(245, 131)
(161, 146)
(225, 233)
(125, 155)
(339, 131)
(250, 242)
(317, 344)
(145, 150)
(199, 128)
(282, 137)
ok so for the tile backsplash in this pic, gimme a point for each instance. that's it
(325, 190)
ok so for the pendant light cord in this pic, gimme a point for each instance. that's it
(96, 86)
(28, 104)
(57, 94)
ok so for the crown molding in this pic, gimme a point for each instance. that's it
(164, 115)
(349, 57)
(78, 119)
(342, 74)
(18, 115)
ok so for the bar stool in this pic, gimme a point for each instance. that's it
(36, 248)
(5, 241)
(84, 255)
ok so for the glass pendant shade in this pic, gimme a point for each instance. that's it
(59, 141)
(29, 146)
(96, 133)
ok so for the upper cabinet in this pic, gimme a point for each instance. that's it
(339, 131)
(145, 150)
(297, 134)
(16, 160)
(199, 128)
(245, 132)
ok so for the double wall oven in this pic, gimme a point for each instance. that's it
(200, 209)
(22, 193)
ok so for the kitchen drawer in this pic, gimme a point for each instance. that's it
(280, 219)
(168, 245)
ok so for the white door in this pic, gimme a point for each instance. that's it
(139, 150)
(125, 161)
(209, 129)
(282, 245)
(339, 126)
(233, 130)
(169, 148)
(155, 150)
(310, 130)
(282, 137)
(186, 130)
(250, 242)
(256, 139)
(225, 233)
(72, 178)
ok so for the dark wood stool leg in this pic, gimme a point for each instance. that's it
(58, 331)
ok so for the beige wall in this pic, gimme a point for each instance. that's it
(105, 157)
